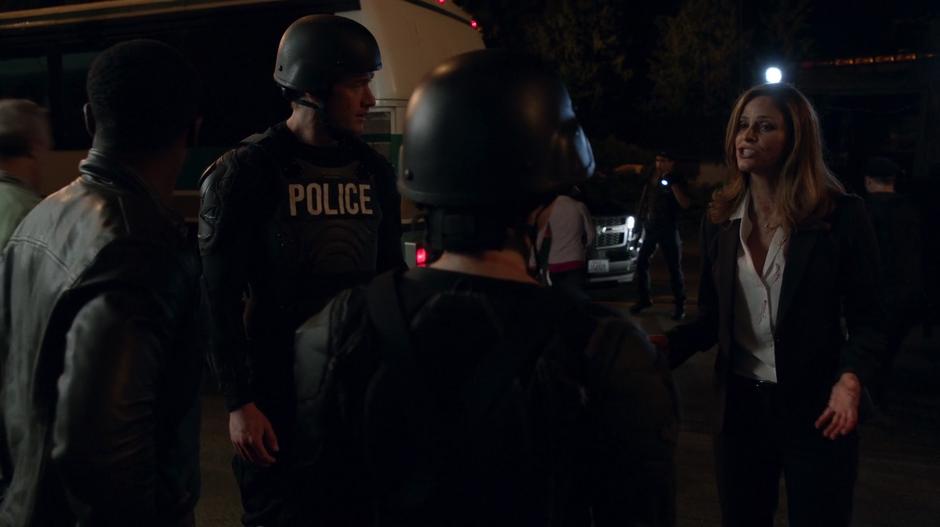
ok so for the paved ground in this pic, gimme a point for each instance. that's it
(219, 505)
(899, 469)
(899, 474)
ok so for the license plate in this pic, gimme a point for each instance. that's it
(598, 266)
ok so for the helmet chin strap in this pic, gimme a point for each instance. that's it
(334, 132)
(298, 97)
(308, 104)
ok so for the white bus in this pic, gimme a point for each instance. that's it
(46, 47)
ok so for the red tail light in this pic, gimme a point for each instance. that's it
(421, 257)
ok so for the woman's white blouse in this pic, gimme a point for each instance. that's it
(756, 297)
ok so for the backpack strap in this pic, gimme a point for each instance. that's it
(388, 318)
(414, 483)
(494, 372)
(416, 471)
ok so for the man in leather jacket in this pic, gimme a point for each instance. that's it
(464, 394)
(98, 293)
(288, 219)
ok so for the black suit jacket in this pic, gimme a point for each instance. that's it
(832, 271)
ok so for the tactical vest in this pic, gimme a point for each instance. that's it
(323, 235)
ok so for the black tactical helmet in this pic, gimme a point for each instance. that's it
(489, 129)
(317, 50)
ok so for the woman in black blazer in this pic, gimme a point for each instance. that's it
(788, 257)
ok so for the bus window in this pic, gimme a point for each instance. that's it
(378, 133)
(24, 78)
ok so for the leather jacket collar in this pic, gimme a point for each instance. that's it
(99, 168)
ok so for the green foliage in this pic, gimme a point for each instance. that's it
(699, 68)
(786, 28)
(672, 87)
(696, 65)
(583, 39)
(613, 151)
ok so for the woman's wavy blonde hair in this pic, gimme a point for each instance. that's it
(805, 188)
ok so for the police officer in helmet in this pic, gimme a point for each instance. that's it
(289, 218)
(466, 393)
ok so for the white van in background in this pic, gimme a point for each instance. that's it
(414, 36)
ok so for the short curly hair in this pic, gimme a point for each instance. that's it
(144, 95)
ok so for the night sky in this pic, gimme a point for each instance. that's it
(868, 27)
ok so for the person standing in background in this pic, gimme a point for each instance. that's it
(569, 234)
(897, 227)
(24, 137)
(663, 196)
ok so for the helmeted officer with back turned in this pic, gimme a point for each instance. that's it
(464, 394)
(288, 219)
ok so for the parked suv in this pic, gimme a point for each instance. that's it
(613, 257)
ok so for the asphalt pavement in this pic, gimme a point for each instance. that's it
(899, 470)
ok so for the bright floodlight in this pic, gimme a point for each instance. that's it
(773, 75)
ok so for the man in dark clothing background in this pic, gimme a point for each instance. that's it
(465, 393)
(288, 219)
(897, 228)
(98, 296)
(663, 196)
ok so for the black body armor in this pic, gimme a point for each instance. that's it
(283, 228)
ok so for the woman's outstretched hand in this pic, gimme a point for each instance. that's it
(841, 414)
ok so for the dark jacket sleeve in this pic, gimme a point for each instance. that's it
(861, 290)
(636, 410)
(701, 333)
(104, 428)
(227, 234)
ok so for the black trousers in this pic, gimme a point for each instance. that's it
(666, 237)
(759, 443)
(265, 490)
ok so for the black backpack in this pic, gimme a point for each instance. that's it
(501, 442)
(564, 423)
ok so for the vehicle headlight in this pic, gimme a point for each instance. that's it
(631, 221)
